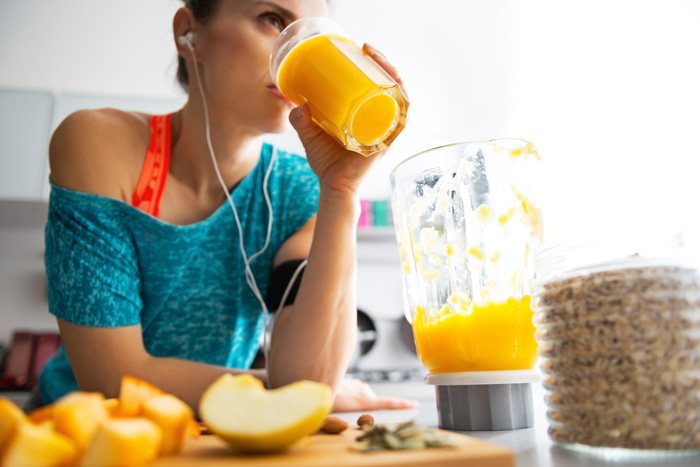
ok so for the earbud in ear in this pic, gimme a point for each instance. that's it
(186, 40)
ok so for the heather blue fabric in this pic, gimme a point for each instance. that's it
(109, 265)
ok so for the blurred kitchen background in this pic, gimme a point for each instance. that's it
(607, 90)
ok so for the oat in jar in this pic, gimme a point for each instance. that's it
(619, 343)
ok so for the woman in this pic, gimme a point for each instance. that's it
(143, 252)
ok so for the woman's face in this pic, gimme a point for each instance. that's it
(233, 50)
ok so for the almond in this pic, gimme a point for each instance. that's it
(334, 425)
(365, 420)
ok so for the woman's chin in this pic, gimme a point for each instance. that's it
(280, 125)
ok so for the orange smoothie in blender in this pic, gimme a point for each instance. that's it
(467, 225)
(476, 337)
(348, 94)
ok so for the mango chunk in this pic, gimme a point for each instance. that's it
(10, 417)
(112, 406)
(41, 415)
(133, 393)
(37, 446)
(174, 418)
(78, 415)
(122, 442)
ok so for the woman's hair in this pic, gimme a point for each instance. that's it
(203, 11)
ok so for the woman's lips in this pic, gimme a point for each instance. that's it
(276, 92)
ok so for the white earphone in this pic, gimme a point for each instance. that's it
(186, 41)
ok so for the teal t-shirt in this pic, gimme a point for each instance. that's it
(109, 264)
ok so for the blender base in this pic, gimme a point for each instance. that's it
(484, 400)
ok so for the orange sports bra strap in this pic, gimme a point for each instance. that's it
(149, 188)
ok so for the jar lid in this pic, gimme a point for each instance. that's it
(563, 260)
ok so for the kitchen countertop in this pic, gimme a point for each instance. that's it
(532, 446)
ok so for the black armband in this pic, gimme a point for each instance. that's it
(279, 280)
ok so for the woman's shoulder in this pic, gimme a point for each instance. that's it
(99, 151)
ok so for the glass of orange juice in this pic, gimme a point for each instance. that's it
(349, 95)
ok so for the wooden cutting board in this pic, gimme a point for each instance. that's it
(332, 450)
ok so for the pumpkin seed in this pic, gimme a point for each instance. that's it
(407, 435)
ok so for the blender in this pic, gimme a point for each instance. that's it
(467, 226)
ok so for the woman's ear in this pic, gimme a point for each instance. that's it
(183, 27)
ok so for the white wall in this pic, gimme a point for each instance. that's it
(456, 60)
(124, 48)
(23, 301)
(607, 90)
(121, 47)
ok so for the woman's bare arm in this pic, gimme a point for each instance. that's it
(314, 338)
(100, 356)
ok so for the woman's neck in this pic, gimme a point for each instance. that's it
(236, 150)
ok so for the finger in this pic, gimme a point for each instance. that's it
(379, 57)
(353, 383)
(387, 402)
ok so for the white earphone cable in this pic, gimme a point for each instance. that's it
(297, 271)
(288, 289)
(249, 276)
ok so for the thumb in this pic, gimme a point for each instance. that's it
(300, 118)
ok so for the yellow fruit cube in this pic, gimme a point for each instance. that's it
(133, 393)
(38, 446)
(124, 441)
(112, 406)
(78, 415)
(174, 418)
(10, 417)
(41, 415)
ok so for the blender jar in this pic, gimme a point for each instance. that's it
(467, 226)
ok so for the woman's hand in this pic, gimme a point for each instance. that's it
(353, 395)
(337, 168)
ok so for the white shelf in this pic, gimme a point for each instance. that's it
(376, 233)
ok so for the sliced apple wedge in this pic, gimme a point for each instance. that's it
(252, 419)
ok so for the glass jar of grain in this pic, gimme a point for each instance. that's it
(618, 330)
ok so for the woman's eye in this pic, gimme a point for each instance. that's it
(273, 19)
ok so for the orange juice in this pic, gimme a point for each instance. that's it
(349, 95)
(477, 337)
